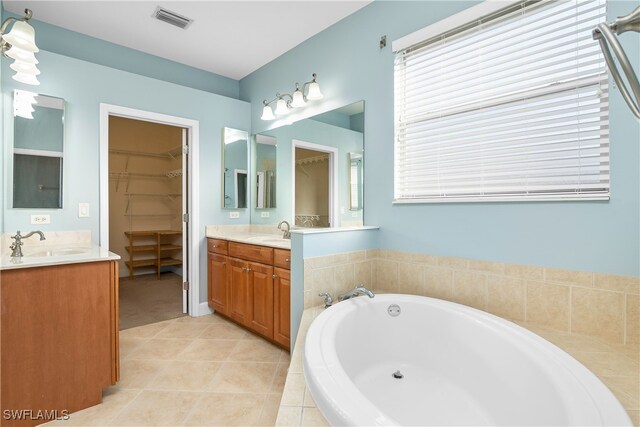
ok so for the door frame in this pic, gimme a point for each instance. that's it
(333, 178)
(237, 172)
(190, 192)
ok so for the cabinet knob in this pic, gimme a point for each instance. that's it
(248, 270)
(275, 276)
(224, 263)
(286, 260)
(215, 246)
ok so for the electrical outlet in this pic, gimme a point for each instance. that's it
(40, 219)
(264, 214)
(83, 210)
(234, 215)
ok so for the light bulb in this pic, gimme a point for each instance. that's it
(281, 107)
(298, 99)
(267, 113)
(314, 91)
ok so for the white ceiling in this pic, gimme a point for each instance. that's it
(230, 38)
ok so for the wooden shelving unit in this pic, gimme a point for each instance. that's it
(157, 247)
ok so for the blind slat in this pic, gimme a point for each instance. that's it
(508, 109)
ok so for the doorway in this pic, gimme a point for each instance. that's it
(146, 182)
(314, 178)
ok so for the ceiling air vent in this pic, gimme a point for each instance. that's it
(172, 18)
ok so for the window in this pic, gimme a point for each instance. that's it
(513, 106)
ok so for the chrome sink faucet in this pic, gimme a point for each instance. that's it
(286, 234)
(16, 246)
(358, 290)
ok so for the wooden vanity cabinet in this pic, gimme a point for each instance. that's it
(281, 306)
(244, 286)
(59, 338)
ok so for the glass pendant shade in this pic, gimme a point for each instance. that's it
(22, 36)
(298, 99)
(281, 107)
(25, 67)
(22, 55)
(27, 79)
(267, 113)
(314, 91)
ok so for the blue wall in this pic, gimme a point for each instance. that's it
(77, 45)
(591, 236)
(84, 86)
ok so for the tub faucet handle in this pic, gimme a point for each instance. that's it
(328, 299)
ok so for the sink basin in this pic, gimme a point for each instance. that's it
(268, 240)
(58, 252)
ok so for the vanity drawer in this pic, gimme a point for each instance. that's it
(217, 246)
(251, 252)
(282, 258)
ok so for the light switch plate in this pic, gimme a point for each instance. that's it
(40, 219)
(264, 214)
(234, 215)
(83, 210)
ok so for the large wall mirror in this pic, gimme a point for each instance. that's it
(38, 147)
(235, 170)
(318, 163)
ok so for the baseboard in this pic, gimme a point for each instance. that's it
(203, 309)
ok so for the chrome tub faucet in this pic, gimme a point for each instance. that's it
(328, 299)
(358, 290)
(16, 246)
(286, 234)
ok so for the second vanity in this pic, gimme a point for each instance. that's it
(59, 321)
(249, 281)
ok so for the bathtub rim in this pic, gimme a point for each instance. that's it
(325, 383)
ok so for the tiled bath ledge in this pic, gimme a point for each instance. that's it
(616, 365)
(598, 305)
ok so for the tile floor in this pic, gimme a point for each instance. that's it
(203, 371)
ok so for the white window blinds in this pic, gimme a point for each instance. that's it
(510, 107)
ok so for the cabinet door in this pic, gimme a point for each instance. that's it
(260, 299)
(238, 293)
(217, 283)
(281, 307)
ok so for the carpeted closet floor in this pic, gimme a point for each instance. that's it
(146, 299)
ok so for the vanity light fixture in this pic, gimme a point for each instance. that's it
(310, 92)
(20, 45)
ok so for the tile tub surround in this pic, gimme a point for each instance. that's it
(191, 371)
(617, 368)
(602, 306)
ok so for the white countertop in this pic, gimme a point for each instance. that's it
(47, 255)
(261, 239)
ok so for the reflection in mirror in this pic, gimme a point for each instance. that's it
(235, 173)
(335, 137)
(38, 145)
(265, 167)
(355, 181)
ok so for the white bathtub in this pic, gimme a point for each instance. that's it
(460, 366)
